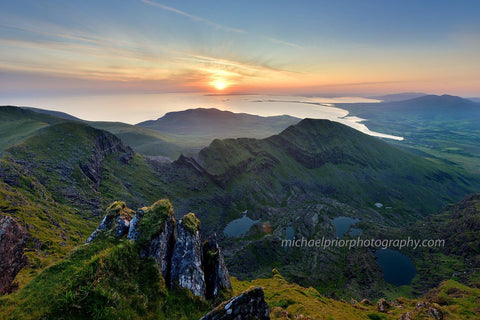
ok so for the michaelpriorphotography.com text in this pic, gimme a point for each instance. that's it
(325, 243)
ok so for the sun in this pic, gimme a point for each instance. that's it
(219, 84)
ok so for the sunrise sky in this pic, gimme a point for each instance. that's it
(268, 47)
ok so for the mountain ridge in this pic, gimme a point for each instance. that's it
(215, 123)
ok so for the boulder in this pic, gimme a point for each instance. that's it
(13, 239)
(250, 305)
(406, 316)
(382, 305)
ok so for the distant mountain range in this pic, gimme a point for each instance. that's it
(399, 96)
(209, 124)
(178, 132)
(426, 106)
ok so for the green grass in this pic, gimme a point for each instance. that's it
(17, 131)
(455, 300)
(191, 223)
(153, 220)
(102, 280)
(55, 228)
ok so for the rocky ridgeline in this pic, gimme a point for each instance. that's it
(104, 145)
(176, 246)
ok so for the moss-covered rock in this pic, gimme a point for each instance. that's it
(191, 223)
(153, 228)
(116, 222)
(151, 220)
(186, 268)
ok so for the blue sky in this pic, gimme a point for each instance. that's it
(291, 47)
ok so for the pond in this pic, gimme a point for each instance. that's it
(288, 233)
(238, 227)
(342, 224)
(397, 268)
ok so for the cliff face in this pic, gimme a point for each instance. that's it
(246, 306)
(187, 271)
(161, 246)
(13, 239)
(104, 145)
(176, 247)
(217, 277)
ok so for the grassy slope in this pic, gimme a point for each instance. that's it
(49, 157)
(106, 279)
(55, 228)
(43, 187)
(150, 142)
(291, 301)
(16, 125)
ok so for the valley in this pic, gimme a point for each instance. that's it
(291, 178)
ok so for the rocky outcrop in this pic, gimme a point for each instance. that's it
(382, 305)
(176, 247)
(187, 269)
(424, 310)
(217, 277)
(161, 243)
(246, 306)
(116, 221)
(13, 239)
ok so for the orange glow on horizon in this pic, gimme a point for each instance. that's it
(219, 84)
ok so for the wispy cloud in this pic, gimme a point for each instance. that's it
(216, 25)
(193, 17)
(289, 44)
